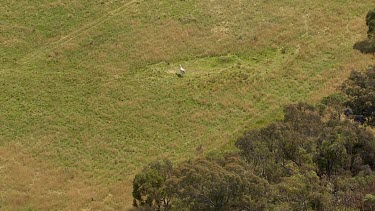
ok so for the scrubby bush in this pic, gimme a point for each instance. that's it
(360, 91)
(370, 22)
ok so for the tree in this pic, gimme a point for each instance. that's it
(149, 188)
(302, 155)
(334, 105)
(360, 90)
(369, 202)
(302, 191)
(261, 149)
(368, 46)
(333, 157)
(370, 22)
(218, 184)
(343, 146)
(292, 139)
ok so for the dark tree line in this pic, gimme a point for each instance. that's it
(221, 183)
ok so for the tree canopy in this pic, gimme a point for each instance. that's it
(370, 22)
(360, 90)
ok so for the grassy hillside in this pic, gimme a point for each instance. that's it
(89, 92)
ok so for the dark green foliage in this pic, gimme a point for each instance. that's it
(302, 191)
(343, 146)
(370, 22)
(360, 90)
(149, 188)
(306, 140)
(291, 140)
(365, 46)
(368, 46)
(369, 202)
(306, 153)
(226, 184)
(333, 105)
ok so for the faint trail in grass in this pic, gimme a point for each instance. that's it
(76, 33)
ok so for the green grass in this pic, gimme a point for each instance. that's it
(89, 96)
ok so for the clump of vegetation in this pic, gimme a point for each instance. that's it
(219, 183)
(360, 90)
(149, 186)
(370, 22)
(368, 46)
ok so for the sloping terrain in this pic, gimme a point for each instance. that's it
(89, 92)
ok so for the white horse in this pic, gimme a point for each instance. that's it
(182, 70)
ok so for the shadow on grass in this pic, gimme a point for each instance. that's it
(365, 46)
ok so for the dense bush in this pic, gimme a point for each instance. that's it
(149, 188)
(368, 46)
(370, 22)
(360, 90)
(225, 183)
(308, 156)
(218, 184)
